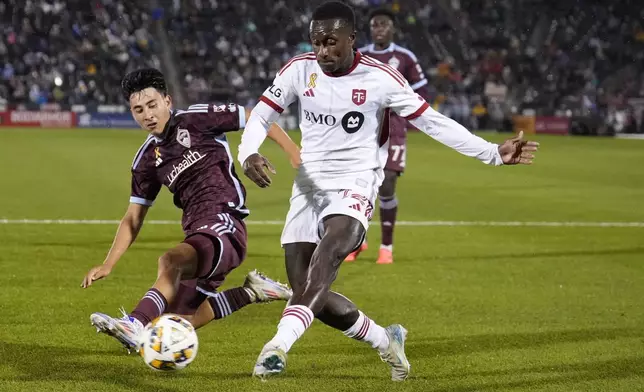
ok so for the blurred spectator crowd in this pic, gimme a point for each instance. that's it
(486, 59)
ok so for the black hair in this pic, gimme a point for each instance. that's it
(383, 12)
(141, 79)
(335, 10)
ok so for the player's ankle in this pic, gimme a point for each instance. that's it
(254, 297)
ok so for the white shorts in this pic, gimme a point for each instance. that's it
(321, 195)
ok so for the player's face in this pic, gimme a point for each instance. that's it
(332, 42)
(382, 30)
(151, 109)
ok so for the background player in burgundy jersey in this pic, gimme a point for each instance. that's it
(383, 27)
(187, 151)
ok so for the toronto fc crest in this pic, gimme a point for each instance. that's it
(359, 96)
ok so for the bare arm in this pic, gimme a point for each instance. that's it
(279, 136)
(127, 232)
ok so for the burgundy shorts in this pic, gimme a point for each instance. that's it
(220, 242)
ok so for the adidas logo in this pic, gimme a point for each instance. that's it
(309, 93)
(356, 207)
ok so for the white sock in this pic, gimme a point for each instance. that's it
(295, 320)
(367, 331)
(387, 247)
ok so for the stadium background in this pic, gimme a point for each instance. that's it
(527, 278)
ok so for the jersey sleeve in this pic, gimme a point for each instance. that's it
(414, 74)
(281, 93)
(214, 118)
(145, 187)
(408, 104)
(271, 104)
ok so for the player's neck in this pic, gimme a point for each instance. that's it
(381, 46)
(347, 65)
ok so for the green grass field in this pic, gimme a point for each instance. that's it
(500, 308)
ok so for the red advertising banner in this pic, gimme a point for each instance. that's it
(552, 125)
(38, 119)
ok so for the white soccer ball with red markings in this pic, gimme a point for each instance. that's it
(169, 343)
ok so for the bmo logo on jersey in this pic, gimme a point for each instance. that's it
(322, 119)
(352, 122)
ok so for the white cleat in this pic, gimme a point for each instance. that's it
(395, 353)
(126, 329)
(271, 360)
(266, 289)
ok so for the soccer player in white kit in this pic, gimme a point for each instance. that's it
(344, 101)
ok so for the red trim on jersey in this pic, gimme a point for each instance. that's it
(418, 112)
(305, 56)
(382, 67)
(387, 66)
(356, 61)
(385, 128)
(272, 104)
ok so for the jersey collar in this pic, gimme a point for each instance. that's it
(388, 49)
(356, 61)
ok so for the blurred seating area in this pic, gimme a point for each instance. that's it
(486, 59)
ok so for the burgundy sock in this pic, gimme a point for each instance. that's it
(229, 301)
(388, 211)
(151, 306)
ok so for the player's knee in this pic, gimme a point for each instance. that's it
(387, 190)
(168, 263)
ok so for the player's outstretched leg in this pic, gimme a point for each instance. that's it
(388, 212)
(179, 263)
(257, 288)
(337, 311)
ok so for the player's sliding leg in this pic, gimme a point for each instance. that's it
(311, 270)
(388, 212)
(257, 288)
(194, 257)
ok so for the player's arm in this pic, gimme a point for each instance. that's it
(126, 233)
(279, 136)
(406, 103)
(271, 104)
(145, 189)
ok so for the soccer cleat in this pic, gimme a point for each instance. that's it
(354, 255)
(271, 360)
(265, 288)
(395, 353)
(126, 329)
(385, 256)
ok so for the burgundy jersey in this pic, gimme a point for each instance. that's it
(407, 64)
(193, 160)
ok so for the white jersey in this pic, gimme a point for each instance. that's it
(343, 117)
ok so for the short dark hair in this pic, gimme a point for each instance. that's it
(141, 79)
(383, 12)
(335, 10)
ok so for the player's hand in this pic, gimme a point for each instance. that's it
(518, 151)
(254, 167)
(96, 273)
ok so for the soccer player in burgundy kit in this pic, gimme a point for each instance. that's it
(187, 152)
(382, 26)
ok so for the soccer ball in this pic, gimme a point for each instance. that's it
(169, 342)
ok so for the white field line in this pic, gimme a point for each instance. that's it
(280, 223)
